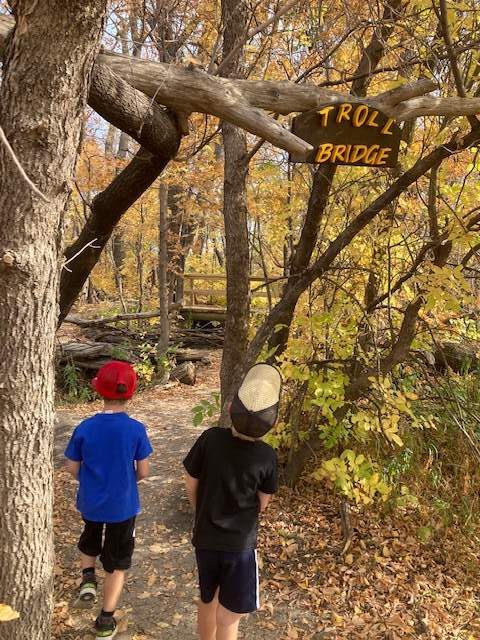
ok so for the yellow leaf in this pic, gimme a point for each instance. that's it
(7, 613)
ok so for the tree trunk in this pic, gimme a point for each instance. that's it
(300, 258)
(235, 213)
(42, 100)
(162, 271)
(118, 257)
(174, 231)
(119, 249)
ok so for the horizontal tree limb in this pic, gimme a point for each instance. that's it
(243, 102)
(232, 99)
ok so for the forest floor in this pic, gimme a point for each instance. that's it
(389, 585)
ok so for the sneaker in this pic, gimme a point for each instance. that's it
(106, 626)
(88, 591)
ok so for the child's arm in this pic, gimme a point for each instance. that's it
(191, 486)
(73, 467)
(264, 499)
(143, 451)
(143, 469)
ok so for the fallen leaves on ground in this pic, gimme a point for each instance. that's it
(391, 585)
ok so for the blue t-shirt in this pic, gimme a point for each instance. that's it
(107, 445)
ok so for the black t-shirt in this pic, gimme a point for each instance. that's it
(230, 472)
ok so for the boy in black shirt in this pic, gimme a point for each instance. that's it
(231, 475)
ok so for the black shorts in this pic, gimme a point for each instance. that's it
(116, 549)
(234, 574)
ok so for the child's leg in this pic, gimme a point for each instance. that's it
(112, 589)
(207, 619)
(116, 558)
(90, 545)
(238, 592)
(87, 562)
(227, 624)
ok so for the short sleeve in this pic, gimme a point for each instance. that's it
(74, 448)
(269, 483)
(193, 463)
(144, 448)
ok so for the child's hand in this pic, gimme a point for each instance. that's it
(143, 469)
(264, 499)
(73, 467)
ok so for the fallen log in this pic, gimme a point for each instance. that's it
(460, 357)
(121, 317)
(189, 355)
(184, 373)
(90, 354)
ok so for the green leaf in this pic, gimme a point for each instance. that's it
(197, 419)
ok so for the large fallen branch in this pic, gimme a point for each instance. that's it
(244, 102)
(239, 101)
(122, 317)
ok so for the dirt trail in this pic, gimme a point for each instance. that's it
(159, 598)
(389, 586)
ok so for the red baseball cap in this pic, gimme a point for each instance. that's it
(111, 376)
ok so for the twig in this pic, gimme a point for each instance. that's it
(442, 16)
(21, 170)
(253, 32)
(89, 244)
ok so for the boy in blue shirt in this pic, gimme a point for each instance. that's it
(231, 476)
(108, 454)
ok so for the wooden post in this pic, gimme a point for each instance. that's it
(192, 297)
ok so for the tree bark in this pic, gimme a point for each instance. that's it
(42, 98)
(120, 104)
(235, 213)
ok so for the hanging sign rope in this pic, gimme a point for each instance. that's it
(348, 134)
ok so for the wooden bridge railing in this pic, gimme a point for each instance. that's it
(191, 291)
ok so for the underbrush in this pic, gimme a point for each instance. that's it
(429, 471)
(441, 465)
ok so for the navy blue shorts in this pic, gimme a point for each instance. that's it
(234, 573)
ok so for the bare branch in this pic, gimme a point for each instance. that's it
(84, 248)
(21, 170)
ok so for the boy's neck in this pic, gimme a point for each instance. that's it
(111, 406)
(240, 436)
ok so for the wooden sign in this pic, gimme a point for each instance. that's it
(348, 134)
